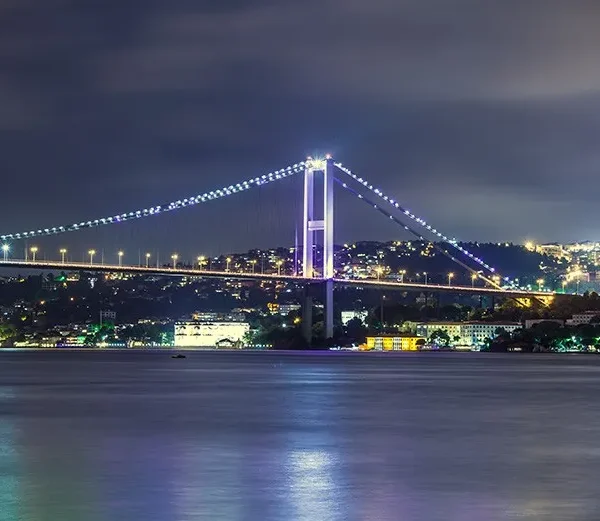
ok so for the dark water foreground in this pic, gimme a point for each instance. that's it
(128, 436)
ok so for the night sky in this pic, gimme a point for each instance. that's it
(482, 116)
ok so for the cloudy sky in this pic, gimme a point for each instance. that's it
(480, 115)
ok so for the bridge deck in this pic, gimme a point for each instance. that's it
(191, 272)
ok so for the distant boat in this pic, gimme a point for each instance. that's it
(178, 356)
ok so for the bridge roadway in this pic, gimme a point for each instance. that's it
(194, 272)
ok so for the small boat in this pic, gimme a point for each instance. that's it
(178, 356)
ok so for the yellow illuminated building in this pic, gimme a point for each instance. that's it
(392, 343)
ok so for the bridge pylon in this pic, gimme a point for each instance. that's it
(313, 224)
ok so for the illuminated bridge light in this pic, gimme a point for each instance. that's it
(420, 221)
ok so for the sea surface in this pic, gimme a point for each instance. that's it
(136, 435)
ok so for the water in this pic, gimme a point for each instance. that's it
(127, 436)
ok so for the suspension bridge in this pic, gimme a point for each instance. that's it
(315, 222)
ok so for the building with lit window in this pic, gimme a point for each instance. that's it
(210, 334)
(392, 343)
(347, 316)
(467, 333)
(582, 318)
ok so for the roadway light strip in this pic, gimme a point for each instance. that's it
(417, 234)
(453, 242)
(160, 209)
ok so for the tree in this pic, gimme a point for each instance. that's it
(440, 337)
(356, 331)
(7, 331)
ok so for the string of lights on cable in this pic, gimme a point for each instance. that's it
(163, 208)
(395, 204)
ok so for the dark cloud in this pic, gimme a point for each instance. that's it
(481, 115)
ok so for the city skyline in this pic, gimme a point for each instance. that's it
(122, 108)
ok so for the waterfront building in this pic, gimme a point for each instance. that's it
(466, 333)
(392, 343)
(210, 333)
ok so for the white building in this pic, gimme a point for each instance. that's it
(286, 309)
(466, 333)
(425, 329)
(476, 333)
(347, 316)
(209, 334)
(582, 318)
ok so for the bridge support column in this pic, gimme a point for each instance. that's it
(311, 225)
(328, 311)
(307, 316)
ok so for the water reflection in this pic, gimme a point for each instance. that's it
(10, 464)
(236, 437)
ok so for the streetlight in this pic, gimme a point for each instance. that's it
(450, 277)
(63, 252)
(540, 283)
(564, 285)
(148, 260)
(228, 260)
(253, 264)
(174, 258)
(279, 263)
(34, 250)
(379, 271)
(402, 273)
(5, 250)
(425, 275)
(473, 279)
(201, 260)
(120, 255)
(91, 253)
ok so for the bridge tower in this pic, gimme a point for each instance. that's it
(311, 225)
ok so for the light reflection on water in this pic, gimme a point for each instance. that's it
(327, 437)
